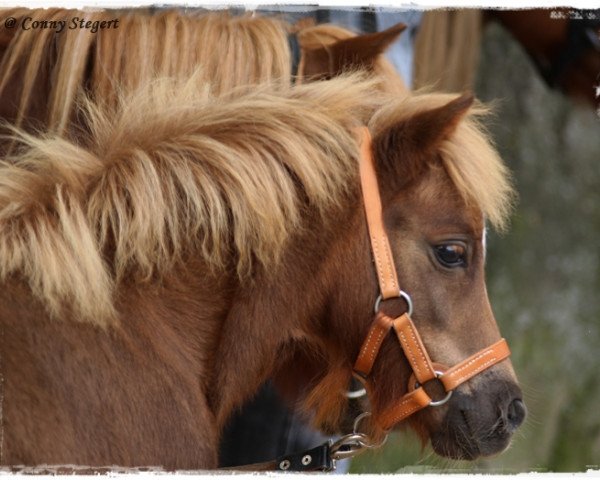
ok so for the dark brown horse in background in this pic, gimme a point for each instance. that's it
(564, 45)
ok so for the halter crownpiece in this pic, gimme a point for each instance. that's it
(423, 368)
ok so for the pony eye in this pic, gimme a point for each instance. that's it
(451, 255)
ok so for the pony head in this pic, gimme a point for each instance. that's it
(439, 181)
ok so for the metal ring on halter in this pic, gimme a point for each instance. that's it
(357, 421)
(438, 403)
(359, 391)
(402, 294)
(354, 394)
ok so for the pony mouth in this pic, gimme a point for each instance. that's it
(461, 440)
(456, 446)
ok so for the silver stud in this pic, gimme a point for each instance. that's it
(306, 459)
(284, 465)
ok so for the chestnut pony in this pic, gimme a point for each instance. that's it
(157, 268)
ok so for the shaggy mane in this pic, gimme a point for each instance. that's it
(173, 169)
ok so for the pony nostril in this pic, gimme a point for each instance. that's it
(516, 413)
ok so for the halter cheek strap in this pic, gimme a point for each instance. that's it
(406, 332)
(382, 254)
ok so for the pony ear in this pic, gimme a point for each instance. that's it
(418, 136)
(350, 53)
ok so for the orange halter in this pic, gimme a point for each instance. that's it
(423, 368)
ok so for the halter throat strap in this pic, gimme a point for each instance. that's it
(406, 332)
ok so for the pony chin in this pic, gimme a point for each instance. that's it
(458, 446)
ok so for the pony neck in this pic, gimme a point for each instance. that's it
(280, 307)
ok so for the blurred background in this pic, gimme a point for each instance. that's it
(543, 274)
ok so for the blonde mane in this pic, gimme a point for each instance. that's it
(232, 51)
(174, 169)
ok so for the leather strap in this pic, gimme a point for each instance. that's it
(475, 364)
(316, 459)
(410, 403)
(380, 245)
(413, 347)
(370, 347)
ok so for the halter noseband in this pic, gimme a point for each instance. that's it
(423, 368)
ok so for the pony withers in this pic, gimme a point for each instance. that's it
(157, 270)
